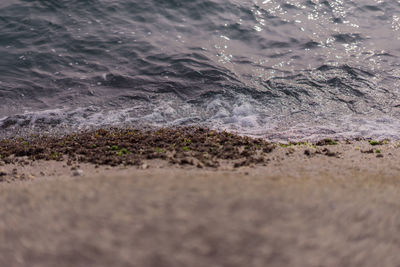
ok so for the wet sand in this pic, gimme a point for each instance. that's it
(340, 208)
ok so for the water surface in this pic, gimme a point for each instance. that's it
(278, 69)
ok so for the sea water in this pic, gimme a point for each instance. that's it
(279, 69)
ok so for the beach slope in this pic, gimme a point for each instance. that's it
(340, 208)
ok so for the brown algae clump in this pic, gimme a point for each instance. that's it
(187, 145)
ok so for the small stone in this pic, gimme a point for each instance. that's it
(307, 152)
(77, 172)
(30, 177)
(370, 151)
(2, 173)
(2, 163)
(144, 166)
(188, 161)
(42, 174)
(329, 153)
(14, 171)
(200, 165)
(379, 156)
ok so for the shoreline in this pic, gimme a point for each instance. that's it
(189, 148)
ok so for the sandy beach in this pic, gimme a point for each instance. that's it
(307, 205)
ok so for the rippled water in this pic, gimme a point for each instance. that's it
(273, 68)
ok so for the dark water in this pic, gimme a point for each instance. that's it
(279, 69)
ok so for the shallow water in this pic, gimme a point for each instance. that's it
(278, 69)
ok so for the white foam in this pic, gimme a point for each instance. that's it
(242, 115)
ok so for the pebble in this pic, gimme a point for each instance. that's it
(200, 165)
(188, 161)
(2, 173)
(77, 172)
(144, 166)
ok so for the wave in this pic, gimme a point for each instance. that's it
(278, 69)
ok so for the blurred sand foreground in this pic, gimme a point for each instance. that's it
(299, 210)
